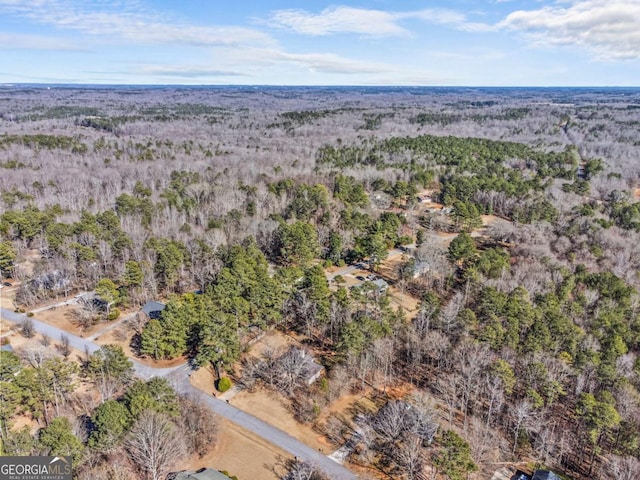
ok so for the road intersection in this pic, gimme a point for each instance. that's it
(179, 378)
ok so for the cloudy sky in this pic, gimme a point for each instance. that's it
(279, 42)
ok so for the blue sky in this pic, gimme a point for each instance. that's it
(374, 42)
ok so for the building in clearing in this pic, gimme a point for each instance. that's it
(152, 309)
(544, 475)
(202, 474)
(381, 285)
(537, 475)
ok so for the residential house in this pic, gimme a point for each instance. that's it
(152, 309)
(312, 369)
(202, 474)
(299, 363)
(381, 285)
(544, 475)
(92, 302)
(537, 475)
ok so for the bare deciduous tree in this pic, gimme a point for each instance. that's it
(622, 468)
(303, 471)
(27, 329)
(410, 456)
(154, 444)
(199, 426)
(36, 355)
(65, 347)
(520, 415)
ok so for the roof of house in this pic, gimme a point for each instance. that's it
(153, 306)
(314, 368)
(6, 348)
(203, 474)
(544, 475)
(380, 283)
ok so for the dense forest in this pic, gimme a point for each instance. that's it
(234, 205)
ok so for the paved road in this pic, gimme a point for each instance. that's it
(274, 435)
(179, 378)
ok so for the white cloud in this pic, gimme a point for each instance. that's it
(128, 21)
(36, 42)
(608, 28)
(187, 71)
(237, 51)
(339, 20)
(377, 23)
(314, 61)
(331, 63)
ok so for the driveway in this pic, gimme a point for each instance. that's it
(360, 265)
(179, 378)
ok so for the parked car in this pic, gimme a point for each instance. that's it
(361, 278)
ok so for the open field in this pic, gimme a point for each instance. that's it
(240, 453)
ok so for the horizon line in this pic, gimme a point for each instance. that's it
(258, 85)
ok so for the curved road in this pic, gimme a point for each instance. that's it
(179, 377)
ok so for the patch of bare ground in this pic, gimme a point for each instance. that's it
(63, 317)
(10, 333)
(7, 296)
(240, 453)
(490, 220)
(272, 340)
(389, 268)
(18, 422)
(204, 379)
(345, 406)
(274, 409)
(407, 302)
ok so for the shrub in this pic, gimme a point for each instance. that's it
(30, 314)
(28, 329)
(224, 384)
(113, 314)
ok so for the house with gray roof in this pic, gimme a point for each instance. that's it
(537, 475)
(544, 475)
(152, 309)
(203, 474)
(381, 285)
